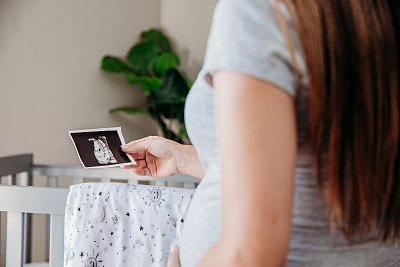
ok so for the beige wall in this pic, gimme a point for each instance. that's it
(50, 80)
(187, 22)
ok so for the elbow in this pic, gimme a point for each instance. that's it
(246, 260)
(245, 256)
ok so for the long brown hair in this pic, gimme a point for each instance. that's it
(351, 52)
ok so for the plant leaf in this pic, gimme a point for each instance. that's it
(142, 57)
(147, 84)
(131, 110)
(173, 111)
(173, 89)
(164, 62)
(157, 37)
(114, 64)
(187, 80)
(183, 132)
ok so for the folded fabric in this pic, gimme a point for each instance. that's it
(114, 224)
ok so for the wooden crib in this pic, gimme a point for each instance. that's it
(22, 200)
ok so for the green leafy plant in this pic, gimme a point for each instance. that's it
(153, 66)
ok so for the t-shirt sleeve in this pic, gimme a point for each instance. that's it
(246, 36)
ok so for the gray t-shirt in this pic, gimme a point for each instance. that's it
(246, 37)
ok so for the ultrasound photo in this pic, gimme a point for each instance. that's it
(100, 148)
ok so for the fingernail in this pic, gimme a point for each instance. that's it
(124, 146)
(173, 247)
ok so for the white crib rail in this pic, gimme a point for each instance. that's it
(19, 200)
(53, 172)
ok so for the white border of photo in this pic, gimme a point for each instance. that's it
(121, 137)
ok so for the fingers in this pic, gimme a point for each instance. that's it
(142, 172)
(141, 167)
(151, 163)
(138, 146)
(138, 155)
(147, 162)
(144, 167)
(173, 260)
(140, 164)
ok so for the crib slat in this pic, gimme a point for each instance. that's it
(52, 181)
(189, 185)
(15, 239)
(12, 179)
(132, 181)
(160, 183)
(77, 180)
(56, 240)
(25, 179)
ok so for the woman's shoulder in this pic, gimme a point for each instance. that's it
(249, 11)
(246, 36)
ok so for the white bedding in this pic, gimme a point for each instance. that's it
(114, 224)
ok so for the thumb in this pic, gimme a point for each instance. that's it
(173, 260)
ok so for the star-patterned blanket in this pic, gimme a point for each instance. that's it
(115, 224)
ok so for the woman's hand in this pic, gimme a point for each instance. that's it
(173, 260)
(154, 156)
(159, 157)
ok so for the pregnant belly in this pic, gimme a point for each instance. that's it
(202, 224)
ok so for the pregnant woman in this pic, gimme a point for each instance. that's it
(294, 121)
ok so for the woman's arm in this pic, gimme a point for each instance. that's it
(159, 157)
(188, 161)
(257, 130)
